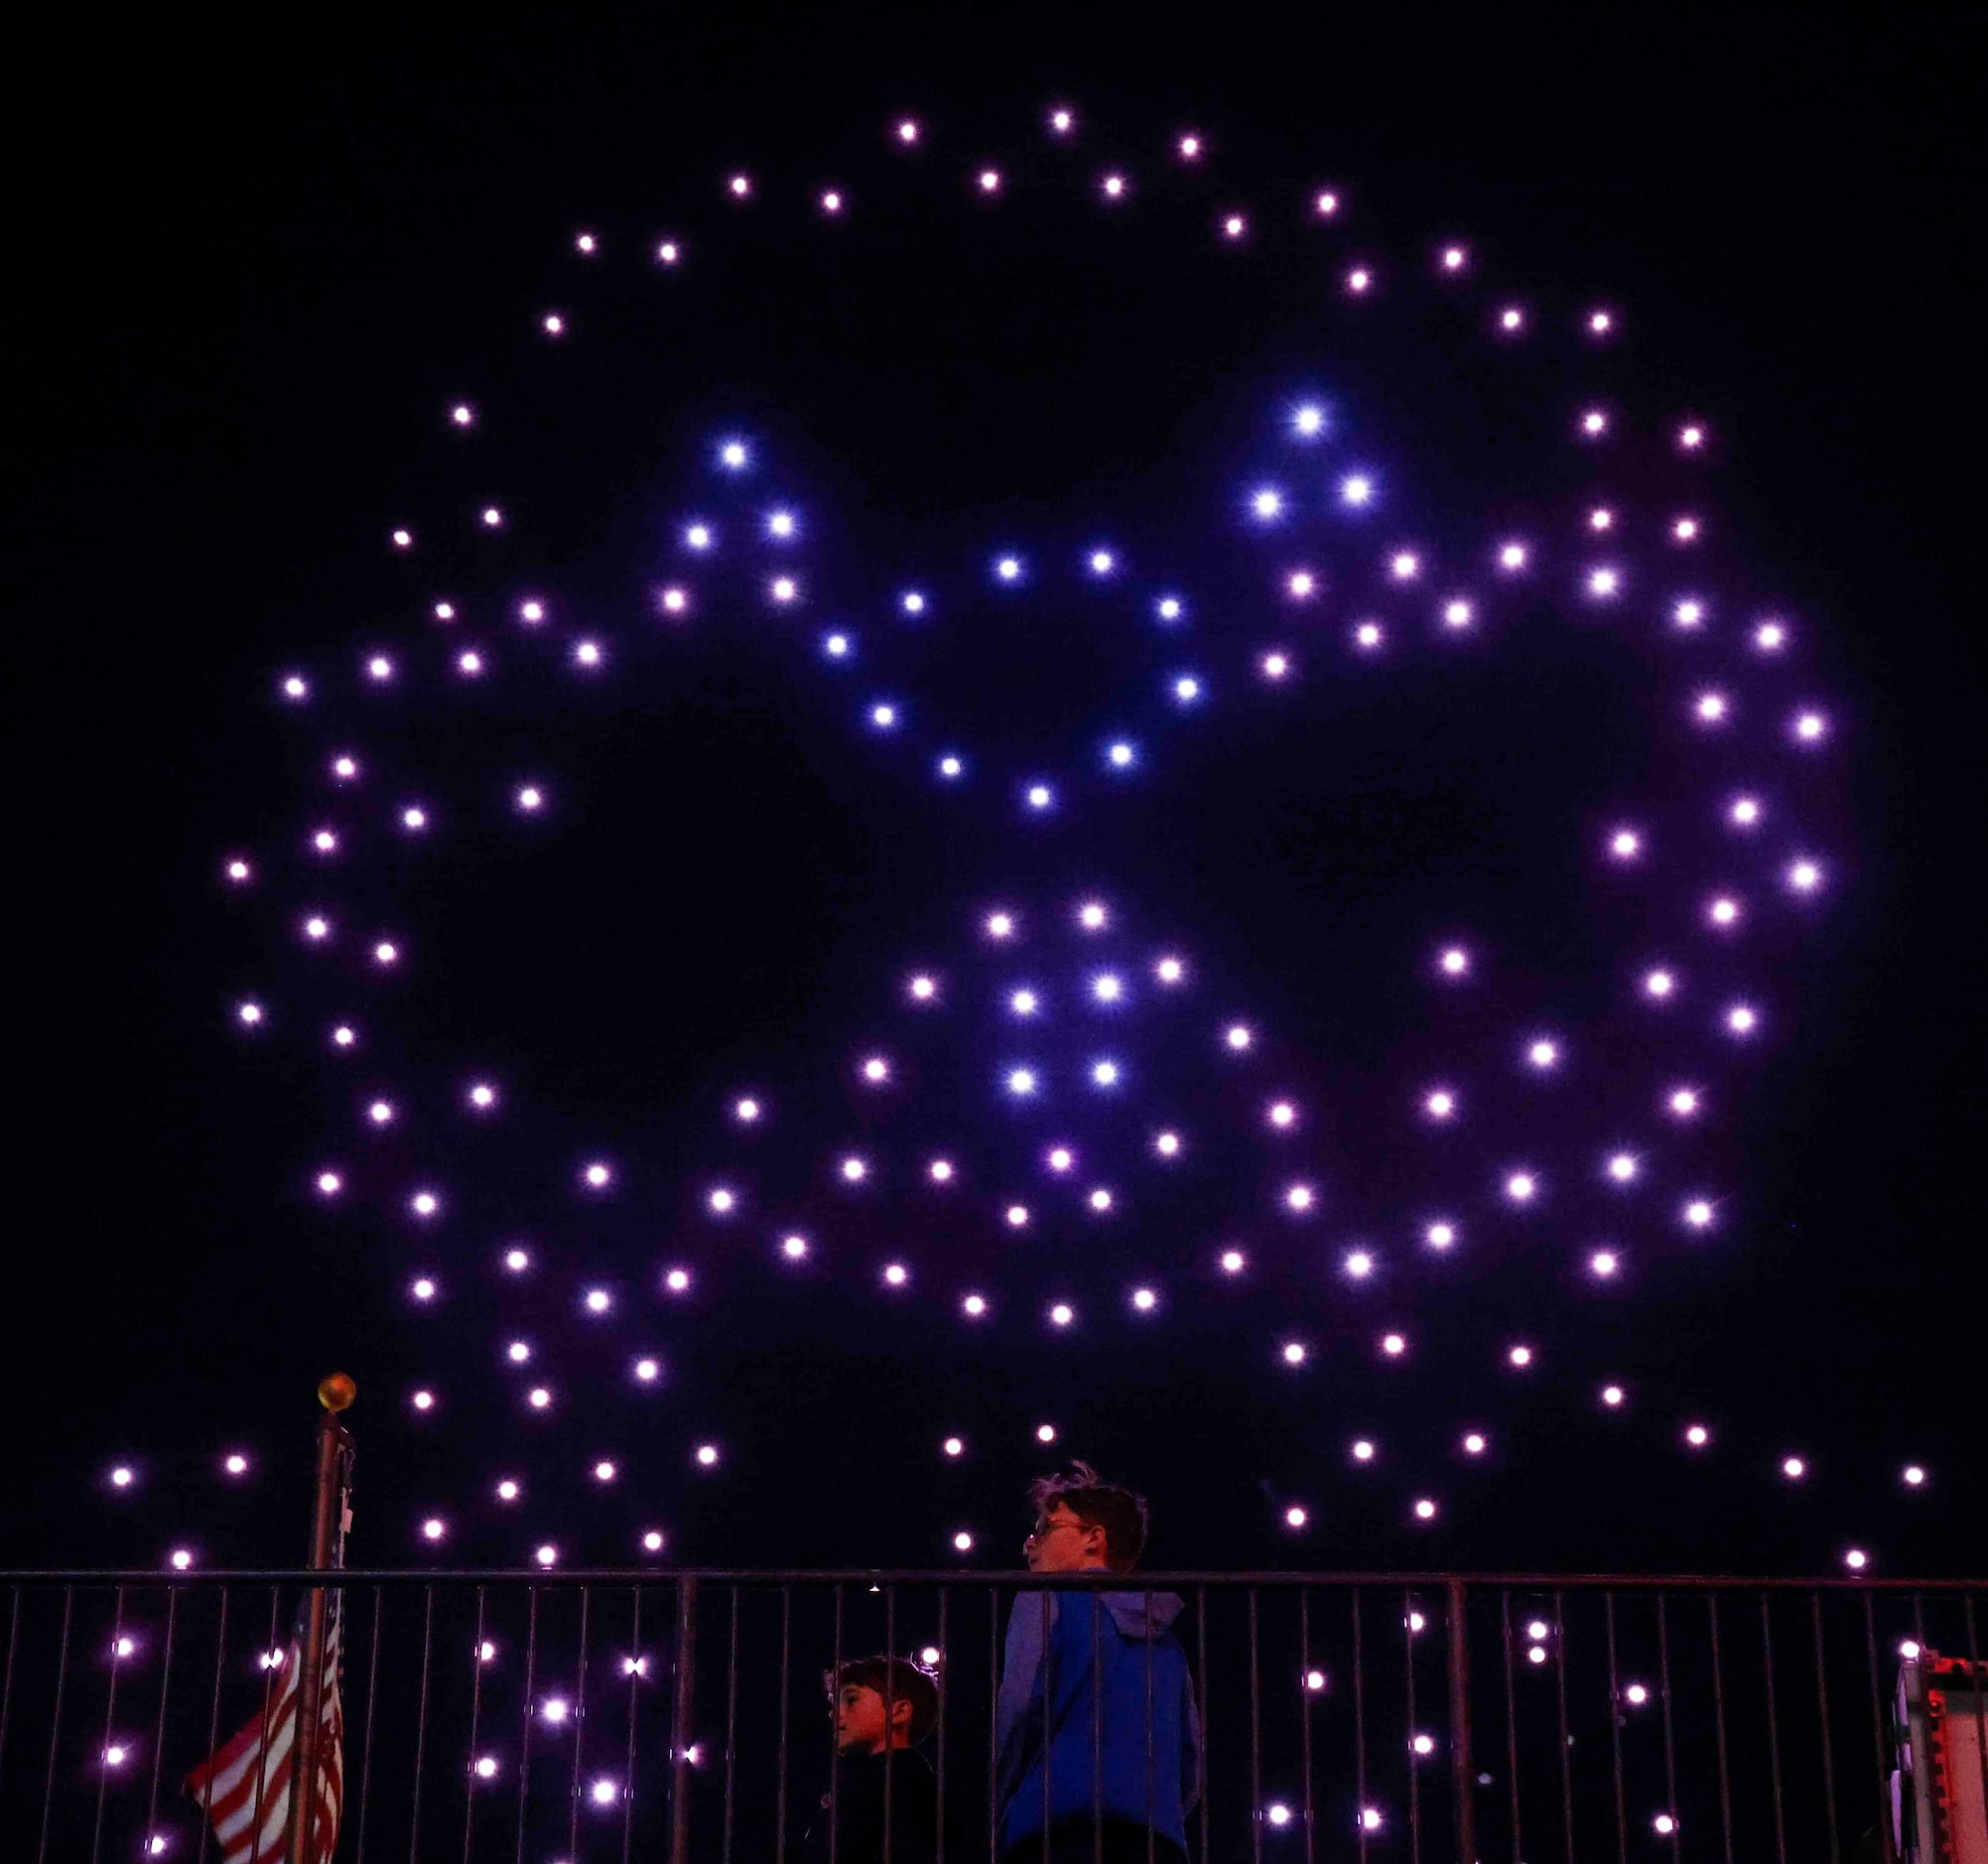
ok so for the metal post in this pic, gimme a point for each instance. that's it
(681, 1711)
(1462, 1784)
(327, 1526)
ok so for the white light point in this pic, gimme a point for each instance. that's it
(328, 1183)
(1295, 1352)
(1170, 970)
(1697, 1436)
(1060, 1159)
(422, 1289)
(1325, 203)
(1711, 708)
(517, 1260)
(1593, 423)
(1392, 1345)
(553, 324)
(1601, 518)
(1426, 1509)
(1296, 1519)
(1232, 1261)
(1039, 797)
(1454, 962)
(973, 1306)
(1020, 1082)
(1113, 187)
(963, 1541)
(403, 540)
(677, 1280)
(1062, 1314)
(1308, 420)
(988, 181)
(1742, 1019)
(1299, 1199)
(1542, 1055)
(1360, 280)
(1363, 1449)
(1522, 1187)
(1659, 984)
(1062, 122)
(530, 799)
(1008, 569)
(1356, 490)
(1016, 1216)
(294, 688)
(1689, 614)
(1623, 1168)
(1439, 1103)
(647, 1371)
(1238, 1037)
(379, 668)
(1511, 319)
(1698, 1214)
(1099, 1201)
(831, 202)
(1440, 1236)
(1458, 615)
(1604, 583)
(1104, 1074)
(424, 1204)
(895, 1275)
(1624, 845)
(1452, 260)
(1166, 1144)
(1404, 565)
(1358, 1265)
(1520, 1358)
(1769, 637)
(1301, 584)
(669, 252)
(1603, 1264)
(907, 131)
(853, 1169)
(1281, 1115)
(1473, 1443)
(1170, 608)
(940, 1171)
(250, 1014)
(1369, 637)
(1144, 1300)
(1371, 1818)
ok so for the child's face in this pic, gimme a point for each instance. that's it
(859, 1720)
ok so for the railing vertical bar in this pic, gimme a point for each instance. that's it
(1511, 1727)
(56, 1720)
(7, 1678)
(159, 1727)
(636, 1660)
(786, 1722)
(1884, 1846)
(1048, 1703)
(730, 1726)
(475, 1725)
(1719, 1728)
(939, 1729)
(1150, 1641)
(214, 1714)
(421, 1721)
(1463, 1786)
(890, 1707)
(580, 1725)
(109, 1725)
(1097, 1613)
(367, 1743)
(1615, 1728)
(1772, 1729)
(1663, 1692)
(1305, 1722)
(1822, 1707)
(1358, 1732)
(262, 1745)
(1256, 1738)
(1408, 1701)
(1201, 1669)
(1980, 1699)
(994, 1807)
(1560, 1686)
(834, 1749)
(525, 1716)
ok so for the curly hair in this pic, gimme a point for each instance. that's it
(1122, 1515)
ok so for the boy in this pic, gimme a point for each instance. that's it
(875, 1739)
(1105, 1674)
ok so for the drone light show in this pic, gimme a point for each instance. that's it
(1302, 936)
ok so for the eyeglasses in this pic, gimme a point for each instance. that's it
(1044, 1529)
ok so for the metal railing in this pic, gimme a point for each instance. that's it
(572, 1718)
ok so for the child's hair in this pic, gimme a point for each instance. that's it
(1097, 1504)
(895, 1678)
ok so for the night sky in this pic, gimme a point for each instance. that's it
(254, 276)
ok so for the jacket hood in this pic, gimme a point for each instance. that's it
(1143, 1615)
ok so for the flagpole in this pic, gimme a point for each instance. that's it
(328, 1524)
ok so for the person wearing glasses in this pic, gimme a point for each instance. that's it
(1097, 1744)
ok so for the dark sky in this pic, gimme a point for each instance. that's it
(252, 274)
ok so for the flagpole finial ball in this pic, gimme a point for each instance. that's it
(337, 1391)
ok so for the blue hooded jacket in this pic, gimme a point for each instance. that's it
(1097, 1716)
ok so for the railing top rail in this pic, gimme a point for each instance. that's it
(1142, 1581)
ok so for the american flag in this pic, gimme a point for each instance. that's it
(245, 1786)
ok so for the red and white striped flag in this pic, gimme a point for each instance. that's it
(245, 1786)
